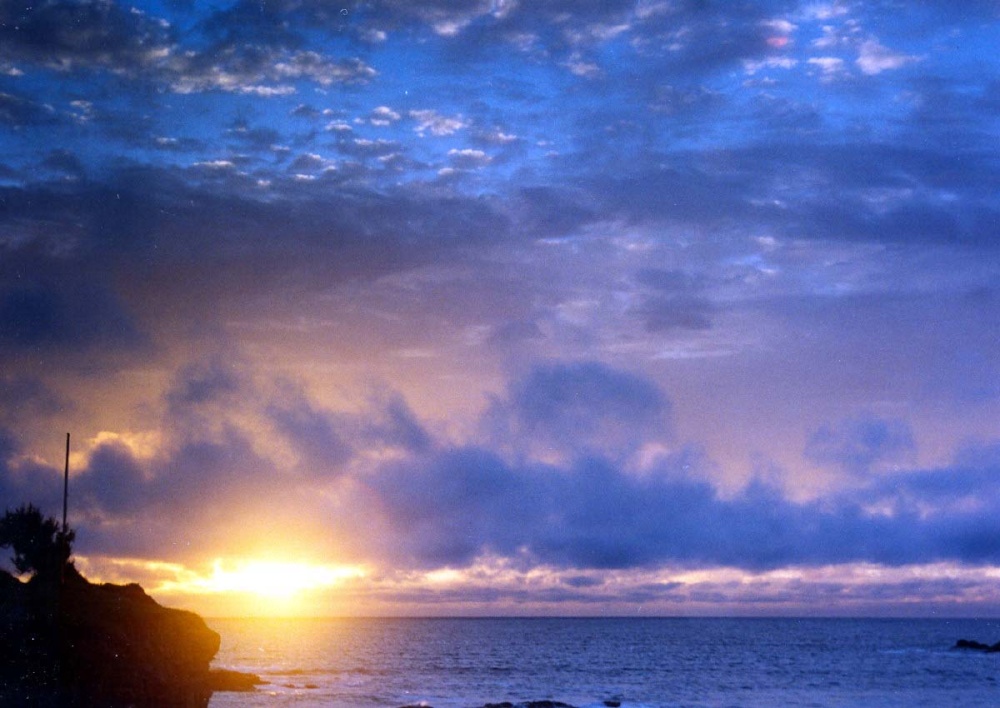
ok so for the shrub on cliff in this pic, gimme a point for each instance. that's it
(40, 546)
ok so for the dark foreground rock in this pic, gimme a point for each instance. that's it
(81, 644)
(973, 645)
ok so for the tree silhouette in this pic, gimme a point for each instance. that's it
(40, 546)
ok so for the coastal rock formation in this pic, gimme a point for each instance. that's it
(236, 681)
(77, 643)
(977, 646)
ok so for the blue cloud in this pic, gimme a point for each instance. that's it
(50, 315)
(580, 407)
(450, 508)
(204, 382)
(858, 444)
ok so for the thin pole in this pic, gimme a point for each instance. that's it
(66, 484)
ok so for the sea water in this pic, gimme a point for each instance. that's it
(584, 662)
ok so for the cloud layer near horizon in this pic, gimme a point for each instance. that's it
(572, 468)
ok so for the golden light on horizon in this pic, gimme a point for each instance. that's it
(237, 587)
(279, 580)
(260, 587)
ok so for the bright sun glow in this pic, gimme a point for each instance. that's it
(273, 579)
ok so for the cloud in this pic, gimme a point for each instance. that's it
(313, 433)
(23, 479)
(831, 67)
(21, 111)
(22, 396)
(262, 72)
(469, 159)
(695, 37)
(407, 500)
(65, 36)
(580, 408)
(467, 503)
(244, 49)
(431, 122)
(139, 228)
(383, 116)
(202, 383)
(50, 315)
(858, 445)
(873, 58)
(363, 147)
(666, 210)
(663, 314)
(64, 163)
(852, 194)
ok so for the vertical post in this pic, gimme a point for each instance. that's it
(66, 485)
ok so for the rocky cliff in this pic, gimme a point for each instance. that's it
(76, 643)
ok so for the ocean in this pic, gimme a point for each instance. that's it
(593, 662)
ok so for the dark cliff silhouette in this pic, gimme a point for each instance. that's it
(70, 642)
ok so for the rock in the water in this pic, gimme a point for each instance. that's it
(977, 646)
(229, 680)
(529, 704)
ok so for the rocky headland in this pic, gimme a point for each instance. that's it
(70, 642)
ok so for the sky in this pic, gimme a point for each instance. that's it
(480, 307)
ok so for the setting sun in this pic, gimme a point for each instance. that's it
(273, 579)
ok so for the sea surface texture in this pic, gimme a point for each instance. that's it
(466, 663)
